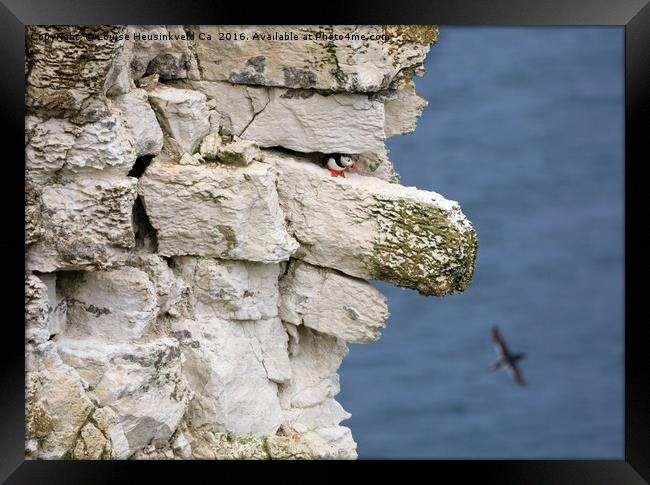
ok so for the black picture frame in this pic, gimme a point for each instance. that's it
(634, 15)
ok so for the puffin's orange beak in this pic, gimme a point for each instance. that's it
(354, 166)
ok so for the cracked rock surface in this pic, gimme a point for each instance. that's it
(194, 274)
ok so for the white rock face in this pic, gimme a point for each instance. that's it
(56, 405)
(142, 121)
(58, 146)
(141, 382)
(229, 366)
(368, 228)
(62, 75)
(333, 442)
(83, 223)
(36, 310)
(239, 152)
(91, 444)
(231, 290)
(315, 358)
(332, 303)
(233, 152)
(183, 114)
(171, 291)
(311, 122)
(187, 159)
(230, 213)
(210, 146)
(236, 104)
(151, 52)
(402, 110)
(117, 304)
(308, 399)
(341, 64)
(108, 422)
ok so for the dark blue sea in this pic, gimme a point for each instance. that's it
(525, 129)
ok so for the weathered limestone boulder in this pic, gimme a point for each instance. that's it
(153, 50)
(63, 71)
(206, 444)
(233, 152)
(83, 223)
(402, 109)
(239, 152)
(102, 437)
(37, 308)
(315, 359)
(305, 121)
(233, 367)
(334, 58)
(210, 147)
(57, 147)
(118, 304)
(330, 302)
(141, 382)
(142, 122)
(107, 421)
(217, 211)
(332, 442)
(183, 114)
(273, 345)
(371, 229)
(231, 290)
(308, 399)
(187, 159)
(91, 444)
(324, 415)
(237, 105)
(169, 55)
(172, 293)
(56, 406)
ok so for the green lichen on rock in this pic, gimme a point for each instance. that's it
(400, 36)
(416, 34)
(226, 446)
(286, 448)
(229, 237)
(91, 444)
(421, 247)
(38, 424)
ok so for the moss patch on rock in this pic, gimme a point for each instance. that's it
(417, 34)
(421, 248)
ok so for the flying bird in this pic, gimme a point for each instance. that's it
(507, 360)
(338, 162)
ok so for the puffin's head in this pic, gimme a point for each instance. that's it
(346, 161)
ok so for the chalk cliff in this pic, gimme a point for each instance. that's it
(193, 274)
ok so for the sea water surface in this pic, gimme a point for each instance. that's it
(525, 129)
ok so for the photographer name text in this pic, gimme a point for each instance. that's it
(206, 36)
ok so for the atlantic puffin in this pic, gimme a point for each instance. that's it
(338, 162)
(507, 360)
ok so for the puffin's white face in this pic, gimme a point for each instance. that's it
(346, 160)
